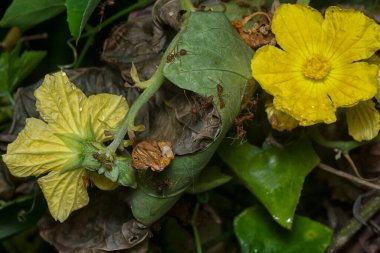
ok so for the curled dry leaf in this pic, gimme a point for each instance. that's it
(99, 227)
(260, 33)
(154, 154)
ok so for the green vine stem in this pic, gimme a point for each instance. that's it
(152, 85)
(345, 234)
(91, 33)
(197, 239)
(343, 146)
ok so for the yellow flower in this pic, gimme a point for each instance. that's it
(55, 151)
(316, 70)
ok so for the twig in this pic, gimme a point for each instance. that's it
(348, 176)
(345, 234)
(41, 36)
(355, 169)
(7, 138)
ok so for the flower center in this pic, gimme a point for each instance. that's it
(316, 67)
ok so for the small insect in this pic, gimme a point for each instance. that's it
(220, 89)
(102, 159)
(117, 36)
(87, 181)
(175, 54)
(102, 6)
(162, 186)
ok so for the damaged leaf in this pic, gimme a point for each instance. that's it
(215, 55)
(97, 227)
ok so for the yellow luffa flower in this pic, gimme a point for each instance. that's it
(316, 70)
(54, 150)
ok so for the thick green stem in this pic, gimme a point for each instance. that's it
(129, 119)
(152, 85)
(343, 146)
(197, 239)
(345, 234)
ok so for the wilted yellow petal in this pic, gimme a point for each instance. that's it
(279, 120)
(106, 112)
(349, 35)
(297, 28)
(363, 121)
(60, 103)
(102, 182)
(64, 192)
(36, 151)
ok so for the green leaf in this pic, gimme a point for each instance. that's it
(274, 175)
(210, 177)
(257, 233)
(78, 13)
(11, 212)
(28, 13)
(14, 68)
(215, 55)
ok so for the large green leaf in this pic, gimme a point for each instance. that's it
(215, 56)
(14, 68)
(28, 13)
(274, 175)
(257, 233)
(78, 13)
(209, 178)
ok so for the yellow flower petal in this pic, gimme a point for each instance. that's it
(64, 192)
(307, 101)
(349, 35)
(106, 112)
(59, 102)
(297, 28)
(36, 151)
(363, 121)
(274, 69)
(352, 83)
